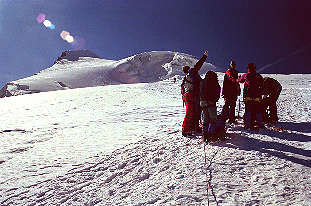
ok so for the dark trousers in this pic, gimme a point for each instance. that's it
(209, 119)
(270, 113)
(188, 123)
(197, 116)
(193, 114)
(253, 114)
(228, 110)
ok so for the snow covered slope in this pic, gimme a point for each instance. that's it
(122, 145)
(79, 69)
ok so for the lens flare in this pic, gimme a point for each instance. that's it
(47, 23)
(70, 39)
(64, 34)
(40, 18)
(52, 26)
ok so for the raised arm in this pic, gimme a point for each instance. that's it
(199, 64)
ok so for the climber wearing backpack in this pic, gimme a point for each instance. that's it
(209, 95)
(271, 91)
(230, 92)
(252, 92)
(182, 86)
(191, 97)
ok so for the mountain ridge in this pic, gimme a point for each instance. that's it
(83, 68)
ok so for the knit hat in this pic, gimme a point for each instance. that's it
(251, 67)
(232, 63)
(185, 69)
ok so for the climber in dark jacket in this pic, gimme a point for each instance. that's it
(209, 95)
(191, 97)
(230, 92)
(271, 91)
(252, 92)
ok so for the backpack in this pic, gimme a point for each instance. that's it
(210, 89)
(182, 87)
(187, 85)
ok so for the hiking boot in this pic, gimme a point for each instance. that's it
(246, 127)
(212, 138)
(205, 136)
(186, 134)
(198, 130)
(231, 121)
(273, 121)
(249, 128)
(261, 127)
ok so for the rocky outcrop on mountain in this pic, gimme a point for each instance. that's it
(74, 55)
(13, 89)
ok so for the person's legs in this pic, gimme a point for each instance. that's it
(225, 111)
(248, 115)
(188, 123)
(232, 104)
(273, 112)
(205, 120)
(258, 114)
(197, 117)
(253, 113)
(264, 106)
(212, 113)
(273, 108)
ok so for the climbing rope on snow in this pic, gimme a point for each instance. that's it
(205, 145)
(206, 167)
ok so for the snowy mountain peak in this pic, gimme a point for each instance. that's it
(74, 55)
(79, 69)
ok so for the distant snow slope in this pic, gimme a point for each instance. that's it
(79, 69)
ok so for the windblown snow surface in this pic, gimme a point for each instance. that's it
(122, 145)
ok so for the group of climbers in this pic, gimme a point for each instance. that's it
(201, 95)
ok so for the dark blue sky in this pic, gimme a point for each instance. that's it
(274, 34)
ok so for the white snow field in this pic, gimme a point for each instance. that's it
(122, 145)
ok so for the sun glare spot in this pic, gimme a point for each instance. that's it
(69, 39)
(64, 34)
(52, 26)
(40, 18)
(47, 23)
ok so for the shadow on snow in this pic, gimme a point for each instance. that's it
(296, 126)
(272, 148)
